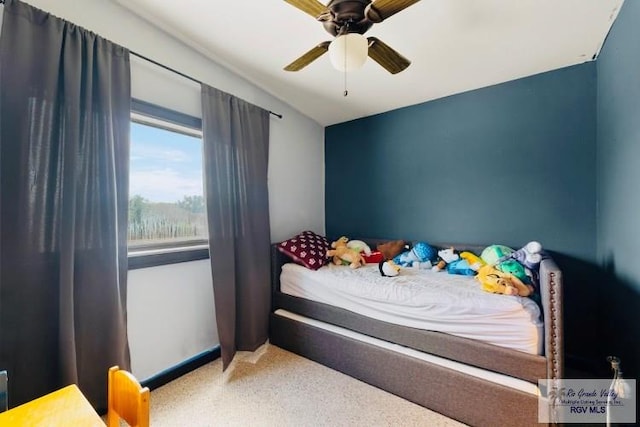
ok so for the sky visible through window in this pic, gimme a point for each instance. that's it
(165, 165)
(166, 203)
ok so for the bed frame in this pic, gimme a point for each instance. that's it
(458, 395)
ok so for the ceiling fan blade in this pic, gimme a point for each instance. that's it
(388, 58)
(311, 7)
(308, 57)
(380, 10)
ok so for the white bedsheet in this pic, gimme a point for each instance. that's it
(422, 299)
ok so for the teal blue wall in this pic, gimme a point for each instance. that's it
(504, 164)
(618, 148)
(553, 157)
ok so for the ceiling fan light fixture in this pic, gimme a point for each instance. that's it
(348, 52)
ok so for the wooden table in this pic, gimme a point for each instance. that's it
(64, 407)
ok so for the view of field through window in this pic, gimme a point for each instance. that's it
(166, 203)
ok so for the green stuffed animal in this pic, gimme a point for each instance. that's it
(512, 266)
(493, 254)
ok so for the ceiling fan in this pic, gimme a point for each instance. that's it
(347, 20)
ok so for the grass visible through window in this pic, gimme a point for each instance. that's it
(166, 204)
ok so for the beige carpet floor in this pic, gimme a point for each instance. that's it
(281, 389)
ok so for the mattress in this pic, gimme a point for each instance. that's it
(422, 299)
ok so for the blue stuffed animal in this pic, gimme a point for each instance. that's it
(460, 266)
(421, 252)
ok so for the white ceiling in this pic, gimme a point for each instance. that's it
(454, 46)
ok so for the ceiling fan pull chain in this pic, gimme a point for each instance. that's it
(346, 92)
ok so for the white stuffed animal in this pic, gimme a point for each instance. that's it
(447, 256)
(359, 246)
(530, 255)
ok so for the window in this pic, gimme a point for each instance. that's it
(167, 218)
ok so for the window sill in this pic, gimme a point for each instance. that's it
(145, 258)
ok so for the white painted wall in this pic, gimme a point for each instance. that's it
(171, 314)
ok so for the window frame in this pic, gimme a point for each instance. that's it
(145, 256)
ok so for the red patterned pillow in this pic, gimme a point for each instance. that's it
(307, 248)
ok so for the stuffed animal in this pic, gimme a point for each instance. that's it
(512, 266)
(446, 256)
(492, 254)
(343, 255)
(342, 241)
(359, 246)
(421, 253)
(460, 266)
(530, 255)
(374, 258)
(388, 268)
(475, 262)
(391, 249)
(493, 280)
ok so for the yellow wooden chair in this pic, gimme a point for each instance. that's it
(128, 400)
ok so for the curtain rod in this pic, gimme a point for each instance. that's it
(173, 71)
(177, 72)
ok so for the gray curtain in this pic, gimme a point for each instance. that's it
(64, 160)
(236, 155)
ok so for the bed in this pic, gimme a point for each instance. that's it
(467, 375)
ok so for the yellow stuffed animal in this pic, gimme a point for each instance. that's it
(475, 262)
(342, 254)
(496, 281)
